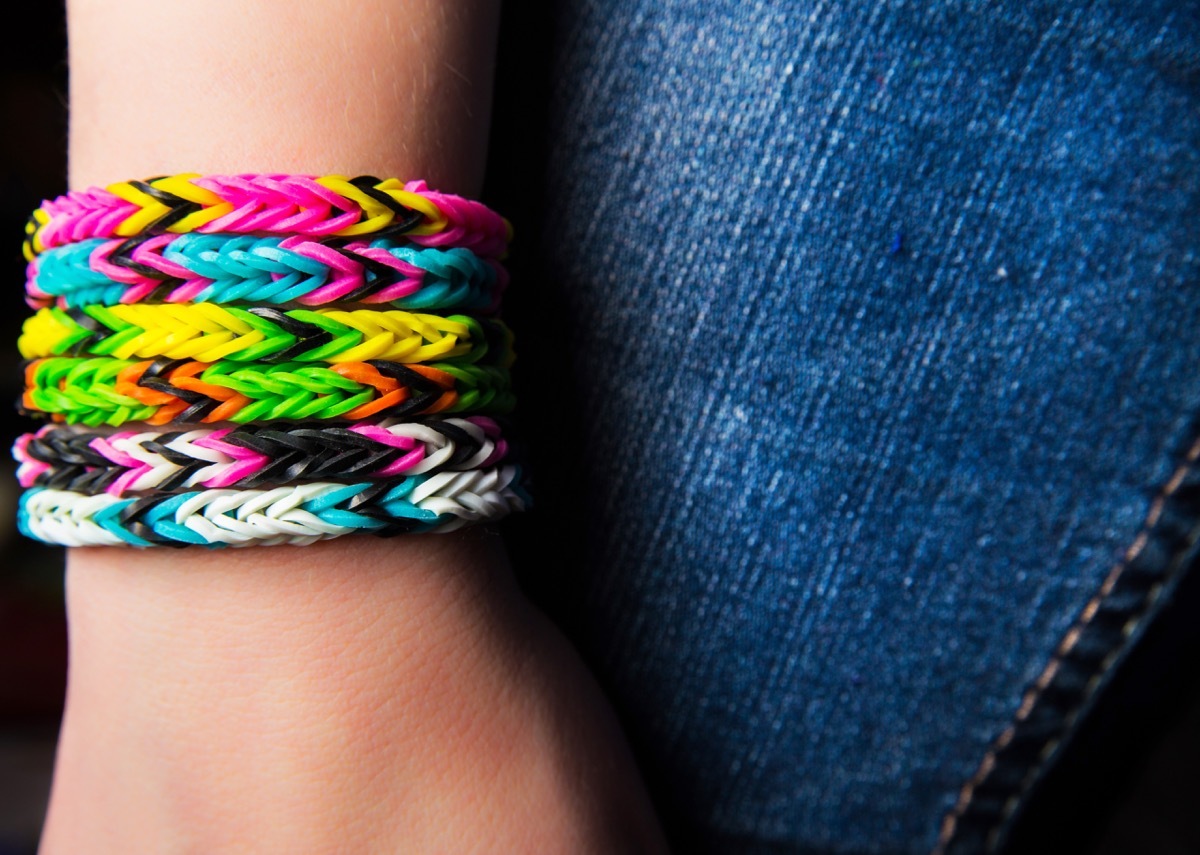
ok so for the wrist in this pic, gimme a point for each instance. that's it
(303, 684)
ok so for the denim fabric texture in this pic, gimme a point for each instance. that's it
(882, 343)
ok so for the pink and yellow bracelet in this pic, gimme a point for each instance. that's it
(269, 205)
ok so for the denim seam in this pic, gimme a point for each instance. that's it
(1090, 649)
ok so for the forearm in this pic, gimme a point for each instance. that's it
(351, 694)
(394, 88)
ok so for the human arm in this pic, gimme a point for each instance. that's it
(353, 695)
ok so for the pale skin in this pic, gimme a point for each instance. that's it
(358, 695)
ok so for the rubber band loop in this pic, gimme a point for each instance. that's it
(268, 204)
(296, 514)
(264, 270)
(106, 391)
(139, 460)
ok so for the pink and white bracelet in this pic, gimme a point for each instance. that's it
(117, 462)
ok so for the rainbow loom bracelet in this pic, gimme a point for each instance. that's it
(103, 390)
(269, 204)
(243, 268)
(207, 332)
(297, 514)
(177, 301)
(91, 462)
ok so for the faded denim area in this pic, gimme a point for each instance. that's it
(883, 325)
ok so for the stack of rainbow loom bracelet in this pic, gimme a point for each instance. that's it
(264, 359)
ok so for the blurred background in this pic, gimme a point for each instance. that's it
(1126, 785)
(33, 657)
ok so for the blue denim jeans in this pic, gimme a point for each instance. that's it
(859, 356)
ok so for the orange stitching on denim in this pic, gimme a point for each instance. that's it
(1034, 692)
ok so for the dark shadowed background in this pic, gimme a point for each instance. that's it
(32, 628)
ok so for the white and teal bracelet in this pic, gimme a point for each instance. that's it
(295, 514)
